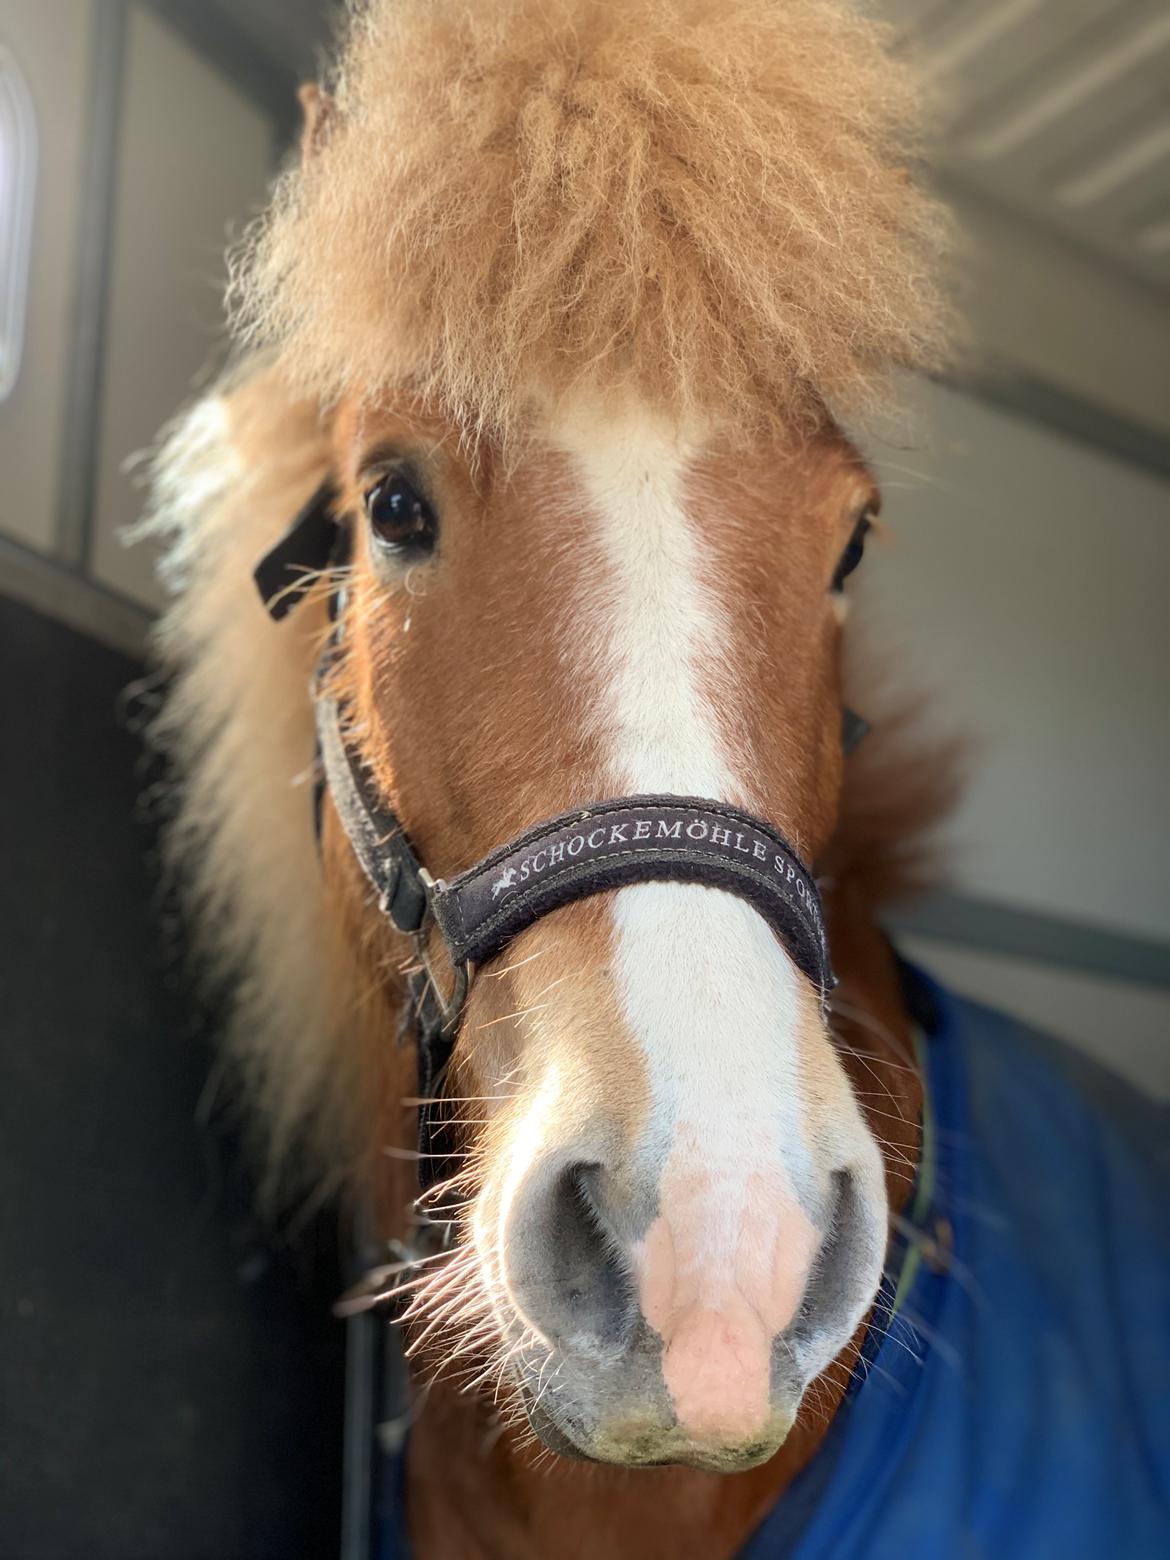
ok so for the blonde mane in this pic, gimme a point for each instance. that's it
(238, 726)
(705, 199)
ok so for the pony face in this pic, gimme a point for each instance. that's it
(628, 259)
(673, 1210)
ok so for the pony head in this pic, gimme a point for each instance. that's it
(568, 302)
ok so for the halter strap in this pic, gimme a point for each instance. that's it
(585, 851)
(378, 839)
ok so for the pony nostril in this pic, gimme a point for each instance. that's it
(566, 1270)
(851, 1247)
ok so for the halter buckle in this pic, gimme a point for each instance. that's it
(450, 1003)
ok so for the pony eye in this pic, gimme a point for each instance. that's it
(852, 555)
(400, 517)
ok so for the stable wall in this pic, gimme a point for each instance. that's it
(151, 155)
(1020, 589)
(52, 44)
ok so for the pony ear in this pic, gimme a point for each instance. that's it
(317, 110)
(294, 563)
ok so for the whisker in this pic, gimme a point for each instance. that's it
(858, 1015)
(453, 1099)
(519, 964)
(846, 1049)
(932, 1251)
(537, 1007)
(888, 1115)
(391, 1151)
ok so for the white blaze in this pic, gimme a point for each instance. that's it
(741, 1184)
(706, 988)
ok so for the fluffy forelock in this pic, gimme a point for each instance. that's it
(705, 201)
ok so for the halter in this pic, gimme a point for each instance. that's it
(587, 850)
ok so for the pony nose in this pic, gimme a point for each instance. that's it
(566, 1268)
(722, 1271)
(699, 1272)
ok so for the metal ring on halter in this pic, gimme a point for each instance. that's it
(450, 1005)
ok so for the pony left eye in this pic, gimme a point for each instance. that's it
(852, 555)
(400, 517)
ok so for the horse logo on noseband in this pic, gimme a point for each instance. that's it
(504, 882)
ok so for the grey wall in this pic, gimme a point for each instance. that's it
(1019, 591)
(52, 44)
(153, 151)
(194, 157)
(1021, 583)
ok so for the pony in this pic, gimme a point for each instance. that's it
(565, 310)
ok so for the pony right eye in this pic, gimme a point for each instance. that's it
(853, 553)
(400, 518)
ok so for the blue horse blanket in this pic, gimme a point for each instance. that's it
(1016, 1406)
(1019, 1405)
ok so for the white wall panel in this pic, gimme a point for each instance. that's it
(1025, 587)
(51, 42)
(1039, 306)
(1058, 109)
(195, 157)
(1121, 1026)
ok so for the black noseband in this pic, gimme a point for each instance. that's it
(603, 845)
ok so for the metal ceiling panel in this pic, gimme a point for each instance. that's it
(1059, 110)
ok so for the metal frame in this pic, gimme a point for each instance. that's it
(20, 135)
(1121, 438)
(60, 584)
(69, 597)
(210, 30)
(992, 926)
(91, 280)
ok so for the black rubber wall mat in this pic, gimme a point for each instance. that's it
(170, 1374)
